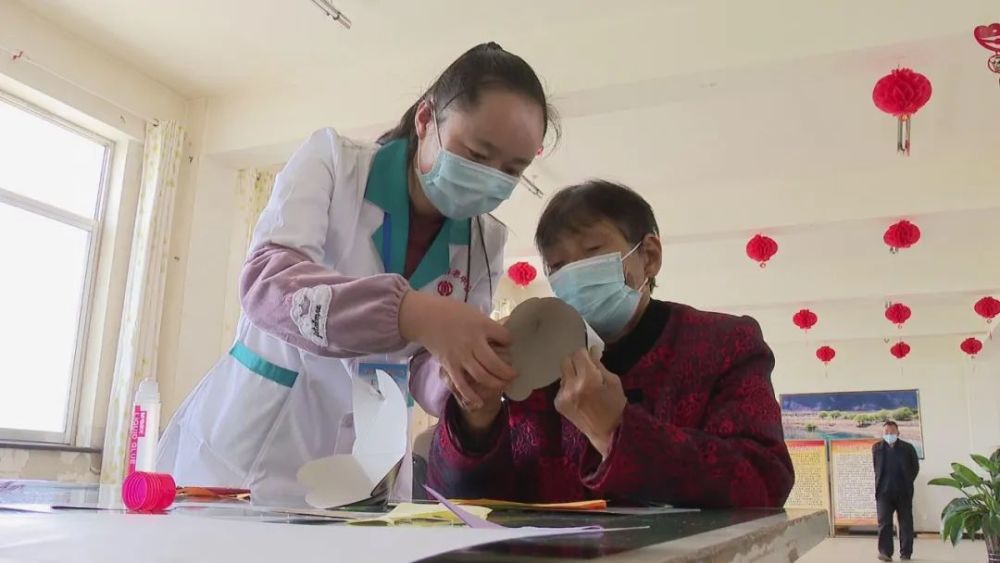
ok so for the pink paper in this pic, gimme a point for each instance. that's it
(471, 520)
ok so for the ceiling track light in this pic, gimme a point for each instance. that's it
(333, 13)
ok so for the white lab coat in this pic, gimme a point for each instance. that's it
(239, 429)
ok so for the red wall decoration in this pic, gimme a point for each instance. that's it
(988, 308)
(805, 319)
(522, 273)
(826, 354)
(902, 234)
(897, 314)
(761, 248)
(902, 93)
(900, 350)
(971, 346)
(989, 37)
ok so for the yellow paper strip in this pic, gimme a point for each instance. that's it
(410, 513)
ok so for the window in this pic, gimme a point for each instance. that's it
(52, 185)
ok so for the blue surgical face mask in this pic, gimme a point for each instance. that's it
(460, 188)
(890, 438)
(596, 288)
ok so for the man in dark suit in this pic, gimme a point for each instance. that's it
(896, 469)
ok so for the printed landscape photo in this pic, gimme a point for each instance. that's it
(852, 415)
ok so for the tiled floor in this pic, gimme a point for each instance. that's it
(862, 549)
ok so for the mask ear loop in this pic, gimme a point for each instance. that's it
(630, 253)
(486, 259)
(437, 126)
(486, 256)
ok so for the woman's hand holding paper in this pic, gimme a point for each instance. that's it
(591, 398)
(463, 340)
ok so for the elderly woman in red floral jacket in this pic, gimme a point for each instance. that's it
(679, 409)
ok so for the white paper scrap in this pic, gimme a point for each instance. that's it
(379, 445)
(101, 537)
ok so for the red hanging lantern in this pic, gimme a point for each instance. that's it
(897, 314)
(988, 307)
(902, 93)
(900, 350)
(825, 354)
(805, 319)
(989, 37)
(972, 346)
(902, 234)
(761, 248)
(522, 273)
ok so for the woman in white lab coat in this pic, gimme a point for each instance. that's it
(365, 250)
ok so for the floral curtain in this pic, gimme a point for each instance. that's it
(140, 329)
(253, 191)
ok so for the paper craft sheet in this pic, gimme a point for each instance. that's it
(544, 332)
(379, 445)
(409, 512)
(99, 537)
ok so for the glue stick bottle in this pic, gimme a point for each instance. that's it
(145, 428)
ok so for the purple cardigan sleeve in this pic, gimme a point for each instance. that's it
(457, 471)
(320, 310)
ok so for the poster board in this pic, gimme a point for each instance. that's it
(812, 480)
(853, 478)
(852, 415)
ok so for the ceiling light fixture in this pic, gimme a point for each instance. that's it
(333, 13)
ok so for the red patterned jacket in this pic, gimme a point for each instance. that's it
(702, 428)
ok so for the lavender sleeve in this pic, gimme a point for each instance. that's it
(322, 311)
(427, 384)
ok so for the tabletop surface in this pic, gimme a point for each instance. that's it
(718, 535)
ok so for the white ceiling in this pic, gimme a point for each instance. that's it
(731, 117)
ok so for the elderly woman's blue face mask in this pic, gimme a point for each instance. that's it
(597, 289)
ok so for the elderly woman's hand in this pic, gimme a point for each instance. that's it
(592, 398)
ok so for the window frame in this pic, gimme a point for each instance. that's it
(94, 226)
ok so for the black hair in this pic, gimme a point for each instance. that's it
(483, 67)
(891, 423)
(575, 208)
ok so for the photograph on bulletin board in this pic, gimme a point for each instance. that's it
(852, 415)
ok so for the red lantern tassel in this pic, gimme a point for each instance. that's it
(903, 135)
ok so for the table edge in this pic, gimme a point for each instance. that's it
(729, 543)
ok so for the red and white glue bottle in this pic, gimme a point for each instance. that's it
(145, 430)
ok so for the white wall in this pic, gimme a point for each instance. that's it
(198, 276)
(73, 71)
(192, 330)
(959, 400)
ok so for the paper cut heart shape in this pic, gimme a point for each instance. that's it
(989, 36)
(544, 331)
